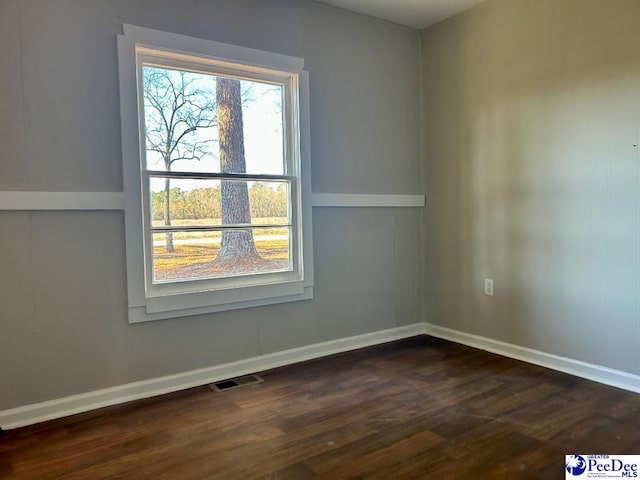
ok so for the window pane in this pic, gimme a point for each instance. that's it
(192, 255)
(218, 202)
(198, 122)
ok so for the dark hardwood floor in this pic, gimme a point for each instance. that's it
(417, 408)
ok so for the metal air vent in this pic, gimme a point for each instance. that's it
(229, 383)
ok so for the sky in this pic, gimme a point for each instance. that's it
(263, 131)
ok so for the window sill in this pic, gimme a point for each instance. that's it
(140, 314)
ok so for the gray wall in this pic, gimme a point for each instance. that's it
(531, 126)
(63, 321)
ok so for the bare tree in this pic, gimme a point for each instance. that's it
(235, 195)
(176, 106)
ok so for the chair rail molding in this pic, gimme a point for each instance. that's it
(34, 201)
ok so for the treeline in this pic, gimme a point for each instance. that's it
(200, 203)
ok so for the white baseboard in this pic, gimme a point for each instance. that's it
(590, 371)
(40, 412)
(62, 407)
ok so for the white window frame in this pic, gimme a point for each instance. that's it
(148, 301)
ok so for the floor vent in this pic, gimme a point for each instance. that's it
(223, 385)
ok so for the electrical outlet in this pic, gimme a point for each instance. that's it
(488, 286)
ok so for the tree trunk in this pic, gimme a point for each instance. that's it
(167, 213)
(235, 195)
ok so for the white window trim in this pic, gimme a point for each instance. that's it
(290, 282)
(143, 305)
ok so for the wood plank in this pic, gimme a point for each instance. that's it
(416, 408)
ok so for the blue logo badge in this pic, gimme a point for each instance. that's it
(576, 465)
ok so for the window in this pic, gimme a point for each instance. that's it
(216, 170)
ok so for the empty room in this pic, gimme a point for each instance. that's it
(295, 239)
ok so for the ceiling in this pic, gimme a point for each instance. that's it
(412, 13)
